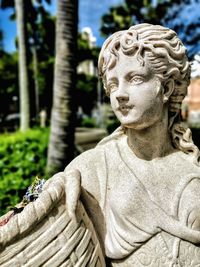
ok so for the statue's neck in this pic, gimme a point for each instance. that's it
(151, 142)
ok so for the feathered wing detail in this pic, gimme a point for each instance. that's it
(43, 234)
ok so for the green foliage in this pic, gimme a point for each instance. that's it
(1, 39)
(40, 26)
(41, 30)
(132, 12)
(8, 80)
(85, 52)
(7, 4)
(118, 18)
(41, 47)
(185, 20)
(112, 125)
(22, 158)
(8, 72)
(88, 122)
(164, 12)
(86, 92)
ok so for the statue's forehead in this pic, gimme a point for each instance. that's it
(126, 65)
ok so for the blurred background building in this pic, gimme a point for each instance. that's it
(191, 103)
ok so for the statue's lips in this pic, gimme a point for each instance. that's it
(124, 108)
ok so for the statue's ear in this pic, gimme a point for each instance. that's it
(168, 89)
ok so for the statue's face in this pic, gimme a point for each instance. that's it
(136, 93)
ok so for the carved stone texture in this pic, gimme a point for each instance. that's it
(140, 186)
(142, 182)
(44, 235)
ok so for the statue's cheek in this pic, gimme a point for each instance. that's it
(194, 219)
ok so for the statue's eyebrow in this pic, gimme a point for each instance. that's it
(131, 74)
(112, 79)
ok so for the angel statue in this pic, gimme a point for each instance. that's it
(133, 200)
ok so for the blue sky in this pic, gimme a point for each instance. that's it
(90, 12)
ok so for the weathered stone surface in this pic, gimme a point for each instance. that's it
(144, 178)
(140, 186)
(44, 234)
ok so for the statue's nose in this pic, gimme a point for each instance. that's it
(122, 98)
(122, 94)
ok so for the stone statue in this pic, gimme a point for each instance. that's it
(140, 186)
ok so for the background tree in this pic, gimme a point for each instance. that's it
(41, 30)
(86, 87)
(165, 12)
(8, 80)
(61, 144)
(41, 53)
(23, 65)
(9, 83)
(185, 20)
(40, 26)
(1, 40)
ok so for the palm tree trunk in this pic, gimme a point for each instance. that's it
(23, 66)
(35, 74)
(61, 144)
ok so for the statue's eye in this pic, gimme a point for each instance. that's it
(136, 80)
(112, 87)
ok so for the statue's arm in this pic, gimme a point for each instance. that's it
(189, 208)
(45, 234)
(71, 182)
(80, 175)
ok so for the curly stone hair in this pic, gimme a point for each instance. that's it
(167, 56)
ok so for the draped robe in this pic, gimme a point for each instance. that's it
(132, 202)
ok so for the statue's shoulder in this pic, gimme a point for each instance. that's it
(87, 158)
(188, 161)
(93, 166)
(97, 154)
